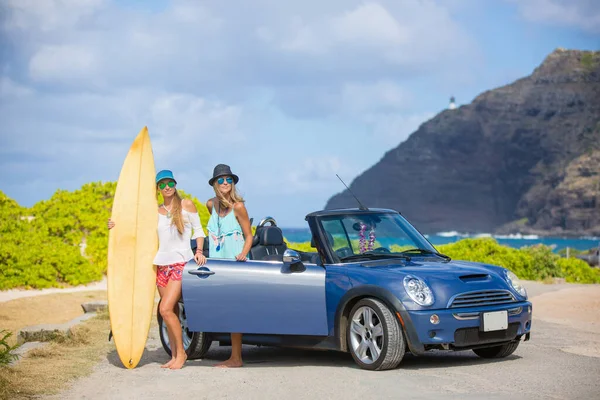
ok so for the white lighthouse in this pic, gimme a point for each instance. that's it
(452, 104)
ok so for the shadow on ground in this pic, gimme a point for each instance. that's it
(268, 357)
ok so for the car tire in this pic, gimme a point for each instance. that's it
(196, 344)
(501, 351)
(388, 340)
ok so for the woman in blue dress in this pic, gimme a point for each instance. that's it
(229, 235)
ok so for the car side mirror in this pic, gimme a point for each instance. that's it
(292, 262)
(291, 257)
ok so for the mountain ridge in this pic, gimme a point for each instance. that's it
(514, 160)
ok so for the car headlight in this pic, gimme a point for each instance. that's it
(418, 291)
(516, 284)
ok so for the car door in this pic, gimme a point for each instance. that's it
(262, 297)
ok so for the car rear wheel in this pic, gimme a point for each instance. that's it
(502, 351)
(374, 336)
(196, 344)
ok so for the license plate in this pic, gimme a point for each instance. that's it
(495, 321)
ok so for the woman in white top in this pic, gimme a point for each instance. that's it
(178, 222)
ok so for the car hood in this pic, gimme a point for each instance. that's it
(446, 279)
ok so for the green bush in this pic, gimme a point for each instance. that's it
(578, 271)
(488, 251)
(64, 241)
(60, 241)
(304, 246)
(6, 351)
(533, 263)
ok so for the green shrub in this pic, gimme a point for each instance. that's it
(488, 251)
(578, 271)
(60, 241)
(533, 263)
(6, 351)
(304, 246)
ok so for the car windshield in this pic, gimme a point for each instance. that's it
(363, 235)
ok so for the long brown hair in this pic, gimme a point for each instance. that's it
(176, 212)
(176, 215)
(223, 202)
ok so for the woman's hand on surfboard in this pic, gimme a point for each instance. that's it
(111, 224)
(200, 259)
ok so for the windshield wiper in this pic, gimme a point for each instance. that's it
(425, 251)
(372, 255)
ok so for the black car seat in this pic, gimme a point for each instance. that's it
(268, 244)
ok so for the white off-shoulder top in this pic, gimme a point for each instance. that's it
(173, 247)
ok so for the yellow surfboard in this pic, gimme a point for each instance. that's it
(132, 245)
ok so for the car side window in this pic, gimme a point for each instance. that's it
(336, 234)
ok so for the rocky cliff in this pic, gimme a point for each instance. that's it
(520, 158)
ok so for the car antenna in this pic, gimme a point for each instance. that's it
(360, 205)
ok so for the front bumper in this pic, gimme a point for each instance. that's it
(461, 327)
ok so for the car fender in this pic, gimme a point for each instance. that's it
(395, 305)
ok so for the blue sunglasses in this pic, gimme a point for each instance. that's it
(222, 180)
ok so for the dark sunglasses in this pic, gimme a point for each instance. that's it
(163, 185)
(221, 180)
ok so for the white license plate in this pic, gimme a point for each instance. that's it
(495, 321)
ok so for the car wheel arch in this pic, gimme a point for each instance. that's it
(358, 293)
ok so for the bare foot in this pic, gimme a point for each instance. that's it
(231, 363)
(167, 365)
(179, 361)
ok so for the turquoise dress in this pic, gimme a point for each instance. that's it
(225, 236)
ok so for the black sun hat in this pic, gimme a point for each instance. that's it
(222, 170)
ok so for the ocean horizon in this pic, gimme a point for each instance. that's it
(299, 235)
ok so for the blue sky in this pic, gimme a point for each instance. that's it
(287, 93)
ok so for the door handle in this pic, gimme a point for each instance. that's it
(201, 272)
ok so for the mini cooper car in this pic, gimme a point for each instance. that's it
(374, 287)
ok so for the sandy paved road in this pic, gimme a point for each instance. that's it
(7, 295)
(550, 366)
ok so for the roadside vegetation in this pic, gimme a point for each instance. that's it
(536, 263)
(63, 241)
(46, 370)
(7, 351)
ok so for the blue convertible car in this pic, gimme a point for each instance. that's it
(374, 287)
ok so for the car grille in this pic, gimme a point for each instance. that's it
(481, 298)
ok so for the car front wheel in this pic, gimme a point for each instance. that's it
(501, 351)
(196, 344)
(374, 336)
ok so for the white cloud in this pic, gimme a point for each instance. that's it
(62, 64)
(316, 175)
(48, 15)
(82, 77)
(10, 89)
(188, 126)
(369, 24)
(364, 36)
(584, 14)
(361, 97)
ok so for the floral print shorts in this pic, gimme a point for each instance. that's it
(165, 273)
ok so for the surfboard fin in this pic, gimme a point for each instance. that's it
(110, 335)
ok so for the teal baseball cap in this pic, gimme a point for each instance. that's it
(164, 174)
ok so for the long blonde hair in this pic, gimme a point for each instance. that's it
(223, 202)
(176, 215)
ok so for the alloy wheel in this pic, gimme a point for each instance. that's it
(366, 335)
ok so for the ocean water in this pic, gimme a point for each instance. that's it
(516, 241)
